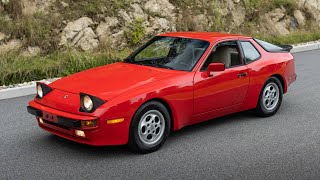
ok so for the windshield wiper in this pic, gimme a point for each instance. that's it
(128, 60)
(131, 61)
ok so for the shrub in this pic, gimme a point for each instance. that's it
(137, 31)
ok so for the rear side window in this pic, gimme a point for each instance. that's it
(268, 46)
(250, 52)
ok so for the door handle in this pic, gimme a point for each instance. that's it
(241, 75)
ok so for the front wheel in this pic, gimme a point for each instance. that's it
(150, 127)
(270, 98)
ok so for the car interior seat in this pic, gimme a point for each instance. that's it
(185, 58)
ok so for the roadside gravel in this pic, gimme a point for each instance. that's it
(27, 83)
(306, 43)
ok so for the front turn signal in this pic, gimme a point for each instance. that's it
(115, 121)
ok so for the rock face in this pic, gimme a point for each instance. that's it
(109, 32)
(276, 22)
(159, 16)
(86, 39)
(106, 28)
(160, 25)
(141, 19)
(2, 36)
(299, 17)
(312, 7)
(162, 8)
(79, 34)
(237, 12)
(138, 13)
(201, 22)
(12, 45)
(1, 9)
(156, 16)
(29, 7)
(238, 15)
(31, 51)
(162, 16)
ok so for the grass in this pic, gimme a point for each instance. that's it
(293, 38)
(36, 30)
(16, 68)
(267, 5)
(13, 6)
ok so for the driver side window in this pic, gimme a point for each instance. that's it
(227, 53)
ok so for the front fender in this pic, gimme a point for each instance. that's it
(176, 92)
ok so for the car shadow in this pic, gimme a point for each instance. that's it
(123, 150)
(214, 123)
(87, 149)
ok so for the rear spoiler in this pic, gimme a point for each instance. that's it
(286, 47)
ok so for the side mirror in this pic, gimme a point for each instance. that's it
(215, 67)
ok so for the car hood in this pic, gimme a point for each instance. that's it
(107, 82)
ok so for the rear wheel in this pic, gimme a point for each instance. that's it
(270, 98)
(149, 128)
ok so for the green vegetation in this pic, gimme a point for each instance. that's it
(293, 38)
(136, 32)
(35, 30)
(219, 21)
(17, 69)
(267, 5)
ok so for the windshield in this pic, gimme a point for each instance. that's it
(170, 52)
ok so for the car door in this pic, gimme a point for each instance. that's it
(225, 89)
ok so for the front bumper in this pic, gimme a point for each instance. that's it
(55, 120)
(64, 124)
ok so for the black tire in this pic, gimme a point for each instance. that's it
(135, 142)
(261, 109)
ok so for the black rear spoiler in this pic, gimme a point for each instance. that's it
(286, 47)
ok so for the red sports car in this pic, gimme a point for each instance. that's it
(174, 80)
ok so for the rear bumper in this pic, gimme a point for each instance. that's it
(64, 124)
(292, 79)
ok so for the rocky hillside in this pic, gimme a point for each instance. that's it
(35, 27)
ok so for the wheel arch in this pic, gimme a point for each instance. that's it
(169, 108)
(283, 82)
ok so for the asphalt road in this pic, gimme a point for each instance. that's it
(240, 146)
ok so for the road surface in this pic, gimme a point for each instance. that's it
(240, 146)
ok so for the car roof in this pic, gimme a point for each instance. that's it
(208, 36)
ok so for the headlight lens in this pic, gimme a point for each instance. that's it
(42, 90)
(39, 91)
(87, 103)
